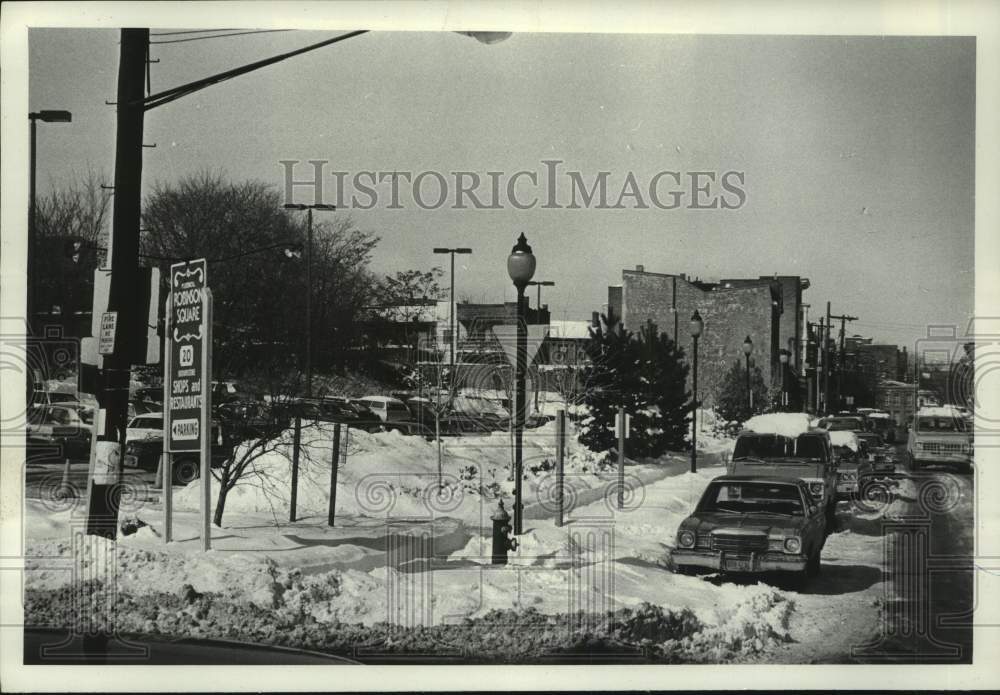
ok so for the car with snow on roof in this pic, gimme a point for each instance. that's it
(782, 445)
(748, 523)
(852, 462)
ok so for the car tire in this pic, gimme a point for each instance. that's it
(186, 471)
(686, 570)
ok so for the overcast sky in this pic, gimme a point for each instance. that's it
(857, 153)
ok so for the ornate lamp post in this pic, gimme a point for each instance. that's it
(747, 349)
(521, 268)
(783, 356)
(696, 327)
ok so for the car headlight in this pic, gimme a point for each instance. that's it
(793, 545)
(816, 489)
(686, 539)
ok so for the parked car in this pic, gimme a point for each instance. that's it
(337, 411)
(881, 458)
(746, 523)
(150, 394)
(940, 435)
(852, 459)
(808, 456)
(144, 425)
(253, 419)
(842, 423)
(882, 423)
(387, 408)
(59, 426)
(52, 397)
(145, 455)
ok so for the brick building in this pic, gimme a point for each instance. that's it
(876, 361)
(768, 309)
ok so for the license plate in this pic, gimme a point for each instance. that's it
(737, 565)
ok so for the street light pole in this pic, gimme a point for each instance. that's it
(785, 400)
(47, 116)
(521, 268)
(696, 327)
(309, 244)
(451, 305)
(747, 349)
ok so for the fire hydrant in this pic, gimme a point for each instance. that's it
(501, 531)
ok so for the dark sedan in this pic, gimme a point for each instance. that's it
(752, 524)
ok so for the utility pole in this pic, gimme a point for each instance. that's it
(820, 365)
(113, 390)
(840, 362)
(826, 361)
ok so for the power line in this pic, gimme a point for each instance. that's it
(188, 31)
(219, 36)
(154, 100)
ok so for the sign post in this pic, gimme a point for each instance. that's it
(622, 425)
(187, 415)
(560, 456)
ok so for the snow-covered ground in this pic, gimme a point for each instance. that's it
(388, 475)
(405, 553)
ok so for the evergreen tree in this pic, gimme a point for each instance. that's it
(731, 397)
(646, 375)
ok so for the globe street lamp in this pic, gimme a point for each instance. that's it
(696, 327)
(309, 243)
(521, 268)
(747, 349)
(48, 116)
(783, 356)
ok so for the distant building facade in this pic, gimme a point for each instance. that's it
(768, 309)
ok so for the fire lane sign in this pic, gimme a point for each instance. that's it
(187, 379)
(109, 325)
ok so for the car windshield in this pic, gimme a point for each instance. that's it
(147, 423)
(771, 446)
(747, 497)
(941, 424)
(62, 398)
(844, 425)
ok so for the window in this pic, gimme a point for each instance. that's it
(752, 496)
(940, 424)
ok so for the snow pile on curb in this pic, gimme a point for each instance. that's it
(786, 424)
(388, 474)
(137, 570)
(747, 629)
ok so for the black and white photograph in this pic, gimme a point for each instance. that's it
(567, 336)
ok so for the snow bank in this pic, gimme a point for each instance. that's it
(391, 475)
(787, 424)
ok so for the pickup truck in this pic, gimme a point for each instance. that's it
(808, 456)
(940, 435)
